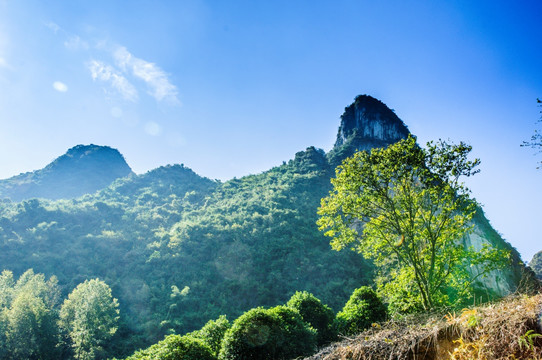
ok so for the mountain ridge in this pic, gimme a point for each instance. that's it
(81, 170)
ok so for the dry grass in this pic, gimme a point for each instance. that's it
(504, 330)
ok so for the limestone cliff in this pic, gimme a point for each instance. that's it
(365, 124)
(368, 123)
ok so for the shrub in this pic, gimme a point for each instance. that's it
(316, 314)
(213, 332)
(362, 309)
(176, 347)
(276, 333)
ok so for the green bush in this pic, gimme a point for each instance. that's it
(316, 314)
(213, 332)
(363, 309)
(266, 334)
(176, 347)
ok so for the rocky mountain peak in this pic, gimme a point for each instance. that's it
(369, 120)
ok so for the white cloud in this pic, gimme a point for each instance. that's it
(156, 79)
(106, 73)
(53, 26)
(153, 128)
(60, 86)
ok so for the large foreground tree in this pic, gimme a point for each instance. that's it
(406, 208)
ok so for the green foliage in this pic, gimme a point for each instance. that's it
(175, 347)
(213, 332)
(319, 316)
(276, 333)
(178, 249)
(528, 339)
(536, 264)
(89, 317)
(405, 208)
(362, 310)
(28, 316)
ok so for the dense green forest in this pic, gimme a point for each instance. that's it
(178, 249)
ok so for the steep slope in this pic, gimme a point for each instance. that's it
(82, 170)
(365, 124)
(368, 123)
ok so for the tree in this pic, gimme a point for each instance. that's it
(89, 317)
(212, 333)
(362, 309)
(267, 334)
(28, 316)
(536, 139)
(31, 328)
(406, 208)
(175, 347)
(316, 314)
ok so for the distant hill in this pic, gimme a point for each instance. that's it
(179, 249)
(84, 169)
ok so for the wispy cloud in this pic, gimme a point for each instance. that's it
(53, 26)
(106, 73)
(124, 73)
(74, 42)
(156, 79)
(60, 86)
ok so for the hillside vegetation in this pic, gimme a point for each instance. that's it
(178, 249)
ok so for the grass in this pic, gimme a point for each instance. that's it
(509, 329)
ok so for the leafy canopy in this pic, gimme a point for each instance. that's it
(262, 334)
(362, 310)
(406, 208)
(89, 316)
(319, 316)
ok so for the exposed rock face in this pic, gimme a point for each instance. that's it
(365, 124)
(82, 170)
(369, 118)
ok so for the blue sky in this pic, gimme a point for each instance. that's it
(231, 88)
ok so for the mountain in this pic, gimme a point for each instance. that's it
(84, 169)
(536, 264)
(179, 249)
(365, 124)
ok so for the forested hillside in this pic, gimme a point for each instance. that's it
(84, 169)
(178, 249)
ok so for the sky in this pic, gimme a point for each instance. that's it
(230, 88)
